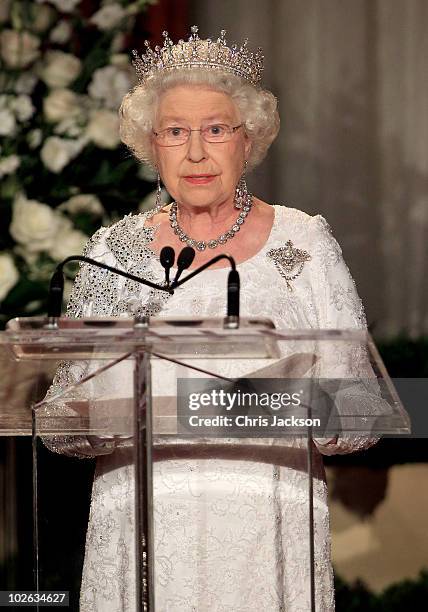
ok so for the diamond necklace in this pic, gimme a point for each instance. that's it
(201, 245)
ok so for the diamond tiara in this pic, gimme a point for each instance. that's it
(199, 53)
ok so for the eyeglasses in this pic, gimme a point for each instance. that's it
(177, 135)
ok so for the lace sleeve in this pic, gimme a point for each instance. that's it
(87, 299)
(339, 306)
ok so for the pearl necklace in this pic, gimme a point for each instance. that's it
(201, 245)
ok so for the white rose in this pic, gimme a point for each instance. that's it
(30, 259)
(69, 241)
(103, 129)
(34, 138)
(108, 16)
(120, 60)
(9, 275)
(61, 104)
(9, 164)
(61, 33)
(18, 49)
(57, 152)
(61, 69)
(23, 107)
(65, 6)
(109, 84)
(42, 17)
(118, 43)
(69, 127)
(7, 122)
(25, 83)
(34, 224)
(83, 203)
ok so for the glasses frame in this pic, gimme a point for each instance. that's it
(189, 130)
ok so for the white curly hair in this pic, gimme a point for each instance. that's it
(257, 108)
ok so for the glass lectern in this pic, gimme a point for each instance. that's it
(207, 444)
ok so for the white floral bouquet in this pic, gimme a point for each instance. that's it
(63, 171)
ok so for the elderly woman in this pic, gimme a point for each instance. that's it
(229, 535)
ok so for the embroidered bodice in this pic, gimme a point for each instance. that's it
(322, 295)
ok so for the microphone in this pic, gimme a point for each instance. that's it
(233, 290)
(56, 292)
(56, 289)
(167, 258)
(184, 260)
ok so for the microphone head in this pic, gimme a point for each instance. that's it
(56, 292)
(167, 257)
(185, 258)
(233, 290)
(233, 279)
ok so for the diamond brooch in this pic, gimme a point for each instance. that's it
(289, 261)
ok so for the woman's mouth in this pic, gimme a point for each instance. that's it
(199, 179)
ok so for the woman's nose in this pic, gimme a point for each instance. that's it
(196, 150)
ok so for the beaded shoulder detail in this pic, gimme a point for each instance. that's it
(93, 241)
(128, 241)
(103, 293)
(87, 281)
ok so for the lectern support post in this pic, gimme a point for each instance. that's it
(144, 485)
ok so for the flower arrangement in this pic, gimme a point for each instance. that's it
(63, 171)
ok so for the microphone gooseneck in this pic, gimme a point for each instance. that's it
(56, 289)
(184, 260)
(233, 286)
(167, 258)
(175, 283)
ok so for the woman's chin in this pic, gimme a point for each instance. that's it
(198, 198)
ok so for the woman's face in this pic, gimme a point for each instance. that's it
(198, 173)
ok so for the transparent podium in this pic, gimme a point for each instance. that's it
(209, 488)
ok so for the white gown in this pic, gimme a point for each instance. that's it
(230, 535)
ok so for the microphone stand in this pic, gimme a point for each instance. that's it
(56, 289)
(203, 267)
(231, 320)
